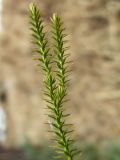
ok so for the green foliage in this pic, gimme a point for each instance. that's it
(38, 153)
(112, 152)
(55, 80)
(90, 152)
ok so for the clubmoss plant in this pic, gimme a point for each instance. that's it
(55, 79)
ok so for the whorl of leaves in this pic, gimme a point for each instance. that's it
(56, 87)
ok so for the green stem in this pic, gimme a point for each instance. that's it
(56, 93)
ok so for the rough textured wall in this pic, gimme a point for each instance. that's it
(94, 28)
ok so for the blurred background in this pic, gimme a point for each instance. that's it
(94, 92)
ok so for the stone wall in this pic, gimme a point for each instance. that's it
(94, 91)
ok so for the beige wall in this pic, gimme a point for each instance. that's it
(94, 28)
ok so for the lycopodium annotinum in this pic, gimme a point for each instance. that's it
(55, 80)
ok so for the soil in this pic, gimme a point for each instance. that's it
(11, 154)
